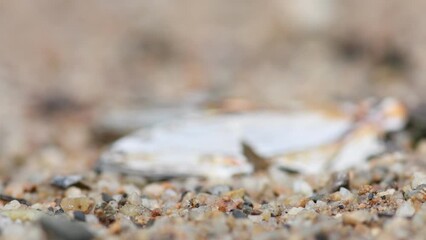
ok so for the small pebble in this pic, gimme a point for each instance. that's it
(28, 214)
(134, 198)
(356, 217)
(79, 216)
(388, 192)
(406, 209)
(419, 178)
(235, 194)
(83, 204)
(236, 213)
(73, 192)
(346, 194)
(65, 182)
(106, 197)
(303, 187)
(132, 210)
(295, 210)
(60, 228)
(12, 205)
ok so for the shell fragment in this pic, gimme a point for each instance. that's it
(212, 145)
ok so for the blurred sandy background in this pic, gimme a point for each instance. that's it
(63, 64)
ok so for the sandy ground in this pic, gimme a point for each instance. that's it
(66, 65)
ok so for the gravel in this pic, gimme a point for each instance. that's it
(383, 197)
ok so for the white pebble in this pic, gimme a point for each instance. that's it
(302, 187)
(295, 210)
(390, 191)
(356, 217)
(134, 199)
(406, 209)
(150, 203)
(130, 188)
(73, 192)
(321, 204)
(14, 204)
(346, 194)
(419, 178)
(310, 205)
(154, 189)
